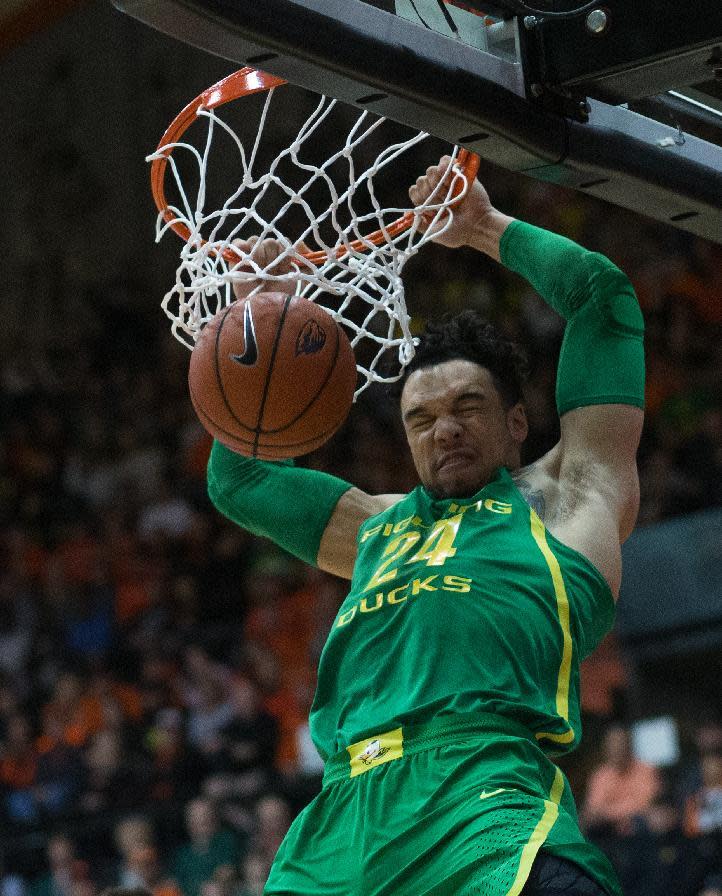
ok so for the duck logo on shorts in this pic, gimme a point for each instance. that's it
(373, 752)
(311, 339)
(367, 754)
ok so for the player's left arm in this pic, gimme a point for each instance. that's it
(600, 377)
(599, 391)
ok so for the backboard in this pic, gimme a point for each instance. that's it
(620, 101)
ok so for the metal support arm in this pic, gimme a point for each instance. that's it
(371, 58)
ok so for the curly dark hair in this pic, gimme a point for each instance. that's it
(470, 337)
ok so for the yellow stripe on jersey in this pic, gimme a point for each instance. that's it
(565, 668)
(566, 738)
(541, 831)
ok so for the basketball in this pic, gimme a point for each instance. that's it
(272, 376)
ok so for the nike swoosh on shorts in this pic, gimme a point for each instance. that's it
(484, 795)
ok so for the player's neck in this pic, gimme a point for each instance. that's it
(465, 494)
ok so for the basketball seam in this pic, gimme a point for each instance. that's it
(314, 441)
(219, 379)
(323, 385)
(258, 431)
(203, 413)
(236, 438)
(274, 351)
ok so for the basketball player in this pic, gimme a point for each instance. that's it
(451, 673)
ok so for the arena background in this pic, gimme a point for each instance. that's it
(151, 653)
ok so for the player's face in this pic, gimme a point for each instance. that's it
(458, 428)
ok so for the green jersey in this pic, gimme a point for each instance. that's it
(460, 606)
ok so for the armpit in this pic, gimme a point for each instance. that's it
(556, 502)
(534, 496)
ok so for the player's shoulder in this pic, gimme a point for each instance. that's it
(383, 502)
(356, 506)
(377, 505)
(337, 552)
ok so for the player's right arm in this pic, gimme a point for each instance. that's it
(310, 514)
(337, 551)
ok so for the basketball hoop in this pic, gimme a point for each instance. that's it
(360, 243)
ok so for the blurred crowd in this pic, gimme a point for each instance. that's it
(660, 826)
(157, 663)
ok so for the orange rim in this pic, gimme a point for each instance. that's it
(242, 83)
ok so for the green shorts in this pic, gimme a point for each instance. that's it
(457, 807)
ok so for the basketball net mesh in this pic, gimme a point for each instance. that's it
(356, 281)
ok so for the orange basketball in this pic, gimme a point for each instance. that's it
(272, 376)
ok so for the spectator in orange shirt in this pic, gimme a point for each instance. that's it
(620, 789)
(75, 713)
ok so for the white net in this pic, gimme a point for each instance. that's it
(334, 207)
